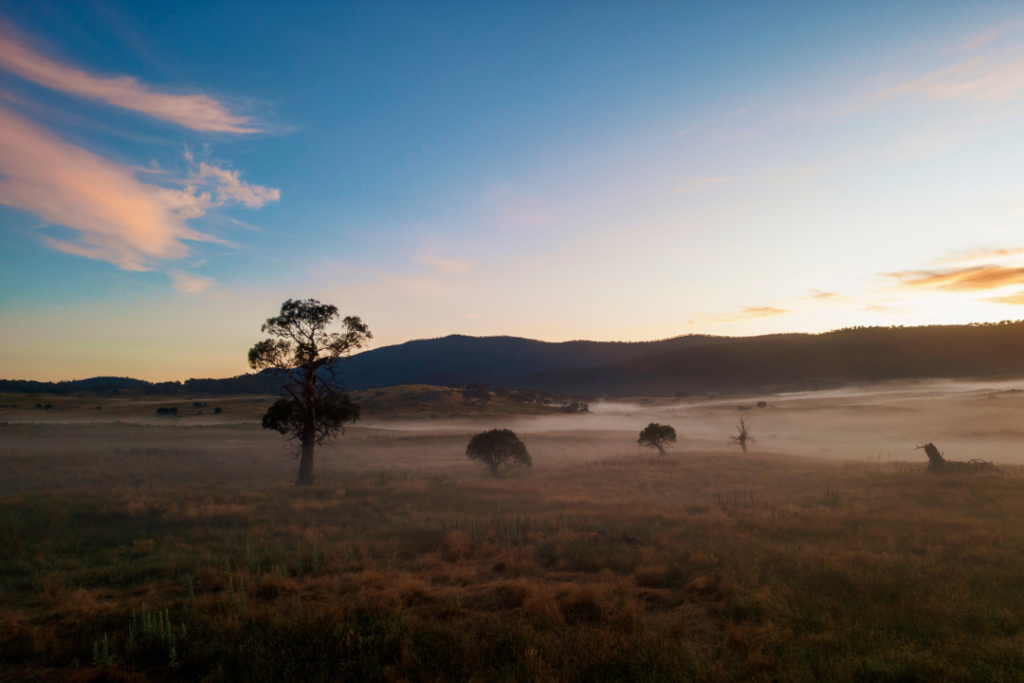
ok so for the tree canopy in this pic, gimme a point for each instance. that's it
(305, 353)
(500, 449)
(656, 435)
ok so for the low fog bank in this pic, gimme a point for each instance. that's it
(966, 419)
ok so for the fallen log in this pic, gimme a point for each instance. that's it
(939, 465)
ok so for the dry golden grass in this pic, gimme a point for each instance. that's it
(701, 566)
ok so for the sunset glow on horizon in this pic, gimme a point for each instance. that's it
(170, 174)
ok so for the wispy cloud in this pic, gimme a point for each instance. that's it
(981, 255)
(196, 111)
(230, 188)
(988, 81)
(988, 36)
(189, 283)
(977, 278)
(697, 184)
(823, 296)
(119, 218)
(750, 312)
(1014, 299)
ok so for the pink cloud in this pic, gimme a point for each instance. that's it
(118, 218)
(229, 187)
(199, 112)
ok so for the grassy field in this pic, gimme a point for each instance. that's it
(138, 552)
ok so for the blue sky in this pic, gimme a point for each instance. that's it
(169, 173)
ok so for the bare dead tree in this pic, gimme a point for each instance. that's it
(742, 435)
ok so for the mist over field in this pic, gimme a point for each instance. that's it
(971, 419)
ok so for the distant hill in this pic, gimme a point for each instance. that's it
(456, 358)
(492, 360)
(805, 361)
(690, 364)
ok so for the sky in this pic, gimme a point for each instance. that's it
(170, 173)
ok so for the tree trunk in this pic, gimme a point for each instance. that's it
(308, 439)
(494, 469)
(743, 445)
(661, 451)
(306, 460)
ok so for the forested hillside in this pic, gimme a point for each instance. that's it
(806, 361)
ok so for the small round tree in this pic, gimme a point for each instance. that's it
(656, 436)
(499, 449)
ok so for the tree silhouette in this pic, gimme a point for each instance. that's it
(500, 449)
(306, 353)
(742, 435)
(655, 435)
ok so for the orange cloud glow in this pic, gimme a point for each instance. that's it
(962, 279)
(1014, 299)
(748, 312)
(198, 112)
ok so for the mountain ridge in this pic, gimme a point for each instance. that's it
(678, 365)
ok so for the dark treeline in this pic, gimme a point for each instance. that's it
(260, 383)
(808, 361)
